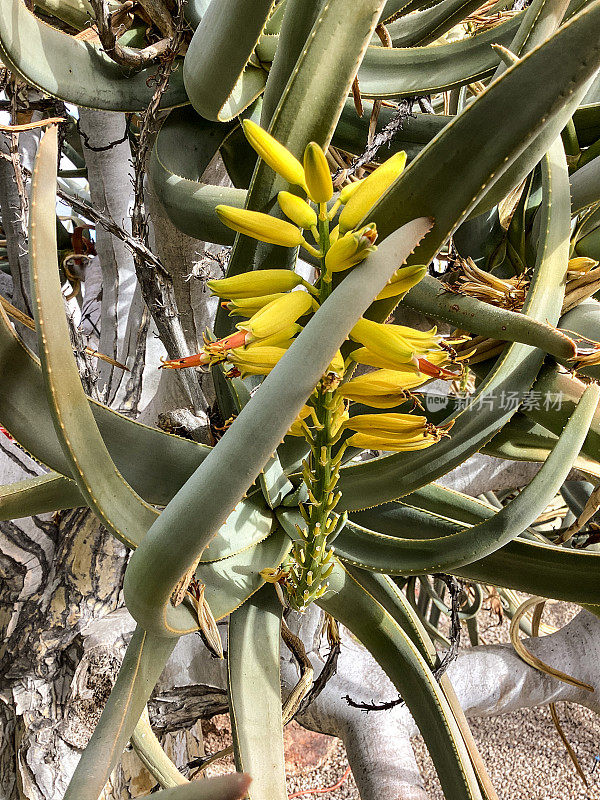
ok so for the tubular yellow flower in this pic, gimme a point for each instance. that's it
(297, 210)
(282, 338)
(255, 284)
(349, 190)
(363, 355)
(391, 431)
(278, 315)
(402, 280)
(248, 306)
(384, 388)
(255, 360)
(371, 189)
(260, 226)
(382, 340)
(367, 441)
(394, 342)
(274, 154)
(317, 174)
(351, 249)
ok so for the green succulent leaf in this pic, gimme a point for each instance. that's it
(392, 73)
(39, 495)
(219, 78)
(72, 70)
(106, 492)
(428, 25)
(388, 594)
(176, 175)
(23, 398)
(352, 605)
(433, 298)
(231, 581)
(150, 752)
(144, 660)
(254, 687)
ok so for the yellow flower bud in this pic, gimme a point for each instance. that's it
(248, 306)
(384, 388)
(371, 189)
(297, 210)
(394, 342)
(382, 341)
(351, 249)
(363, 355)
(255, 283)
(278, 315)
(348, 191)
(391, 432)
(274, 154)
(260, 226)
(402, 280)
(317, 174)
(282, 338)
(255, 360)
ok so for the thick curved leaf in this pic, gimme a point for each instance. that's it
(426, 26)
(395, 652)
(248, 524)
(585, 185)
(388, 594)
(392, 73)
(182, 151)
(106, 492)
(254, 687)
(298, 19)
(231, 581)
(38, 495)
(179, 536)
(23, 398)
(219, 78)
(544, 570)
(431, 297)
(73, 70)
(150, 752)
(144, 660)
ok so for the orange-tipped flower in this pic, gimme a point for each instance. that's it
(197, 360)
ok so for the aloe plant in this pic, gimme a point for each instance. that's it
(287, 509)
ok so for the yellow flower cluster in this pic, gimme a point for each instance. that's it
(275, 302)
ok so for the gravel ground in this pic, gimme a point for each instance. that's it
(524, 755)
